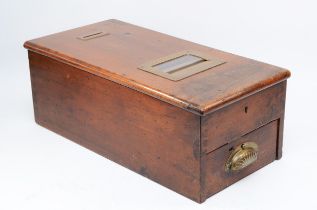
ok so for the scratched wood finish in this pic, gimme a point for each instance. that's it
(178, 134)
(153, 138)
(124, 47)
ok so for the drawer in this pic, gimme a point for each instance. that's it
(235, 120)
(215, 177)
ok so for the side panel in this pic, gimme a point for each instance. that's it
(146, 135)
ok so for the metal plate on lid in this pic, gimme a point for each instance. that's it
(181, 65)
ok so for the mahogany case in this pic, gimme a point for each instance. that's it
(192, 118)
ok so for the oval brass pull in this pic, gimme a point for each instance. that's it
(242, 156)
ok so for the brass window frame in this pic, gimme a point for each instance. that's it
(209, 62)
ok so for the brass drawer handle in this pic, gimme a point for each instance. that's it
(242, 156)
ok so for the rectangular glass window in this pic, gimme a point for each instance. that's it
(178, 63)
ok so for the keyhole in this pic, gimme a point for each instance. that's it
(246, 109)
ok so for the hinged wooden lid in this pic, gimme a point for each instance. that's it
(127, 54)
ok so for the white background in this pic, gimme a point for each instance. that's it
(41, 170)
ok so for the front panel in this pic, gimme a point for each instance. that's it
(151, 137)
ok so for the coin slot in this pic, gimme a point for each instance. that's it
(92, 35)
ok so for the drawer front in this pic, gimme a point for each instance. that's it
(237, 119)
(215, 177)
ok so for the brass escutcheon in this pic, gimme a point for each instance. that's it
(242, 156)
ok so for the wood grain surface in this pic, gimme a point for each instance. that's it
(123, 47)
(87, 87)
(232, 122)
(214, 176)
(148, 136)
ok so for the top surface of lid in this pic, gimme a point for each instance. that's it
(186, 74)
